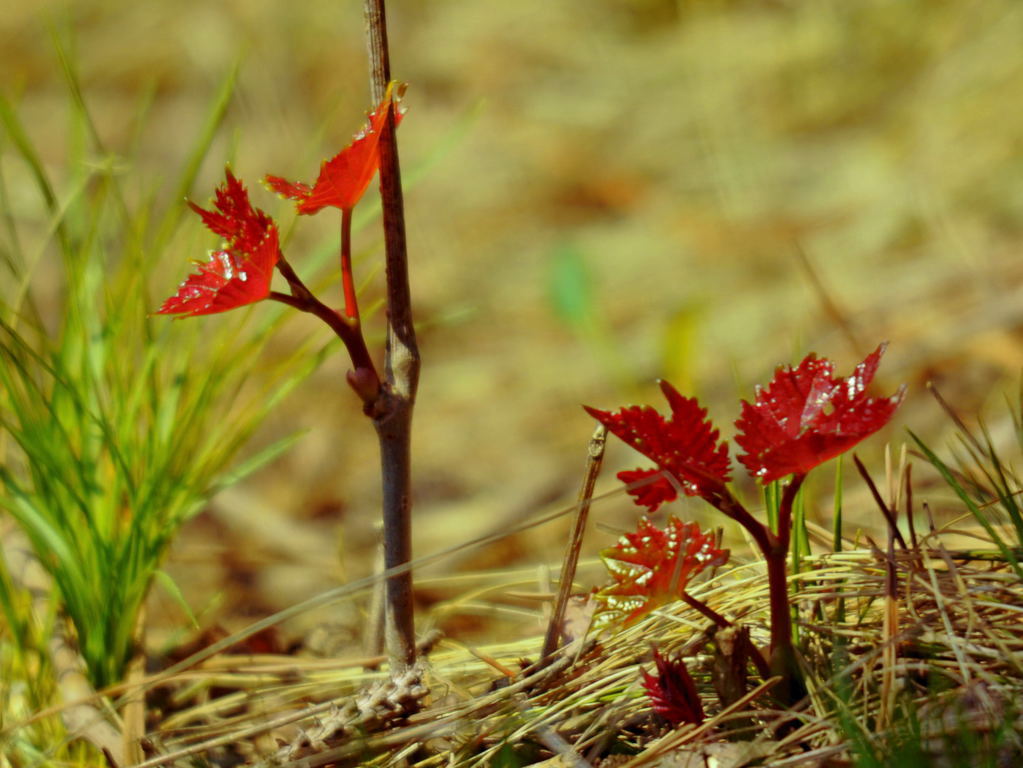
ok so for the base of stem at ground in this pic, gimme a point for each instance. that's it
(393, 431)
(783, 660)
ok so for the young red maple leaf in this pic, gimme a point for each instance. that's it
(805, 416)
(239, 273)
(686, 446)
(344, 178)
(652, 567)
(235, 220)
(228, 280)
(672, 692)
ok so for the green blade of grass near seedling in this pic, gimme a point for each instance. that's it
(979, 513)
(772, 498)
(836, 540)
(799, 547)
(1003, 485)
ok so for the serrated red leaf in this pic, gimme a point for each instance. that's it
(239, 273)
(228, 280)
(653, 566)
(672, 692)
(685, 445)
(805, 416)
(234, 219)
(649, 487)
(292, 190)
(343, 179)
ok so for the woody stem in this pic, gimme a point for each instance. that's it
(393, 417)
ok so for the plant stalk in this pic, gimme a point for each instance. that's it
(392, 415)
(347, 278)
(364, 379)
(783, 654)
(775, 548)
(594, 460)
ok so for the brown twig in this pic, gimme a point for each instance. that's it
(393, 412)
(879, 501)
(594, 460)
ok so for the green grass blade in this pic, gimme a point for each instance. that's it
(975, 510)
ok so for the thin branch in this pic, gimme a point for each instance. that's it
(831, 308)
(364, 379)
(879, 501)
(594, 460)
(956, 418)
(698, 605)
(726, 503)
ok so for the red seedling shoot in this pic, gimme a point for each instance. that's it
(344, 178)
(802, 418)
(241, 270)
(672, 692)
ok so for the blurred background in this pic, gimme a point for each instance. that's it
(599, 193)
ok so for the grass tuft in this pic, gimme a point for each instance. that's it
(115, 428)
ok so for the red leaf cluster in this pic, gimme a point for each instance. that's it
(239, 273)
(652, 567)
(672, 692)
(806, 416)
(343, 179)
(686, 446)
(802, 418)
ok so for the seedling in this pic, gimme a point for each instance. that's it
(804, 417)
(240, 272)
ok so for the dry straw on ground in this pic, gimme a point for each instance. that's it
(918, 648)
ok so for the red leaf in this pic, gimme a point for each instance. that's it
(652, 567)
(686, 445)
(239, 273)
(235, 220)
(291, 190)
(651, 489)
(228, 280)
(673, 693)
(805, 416)
(344, 178)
